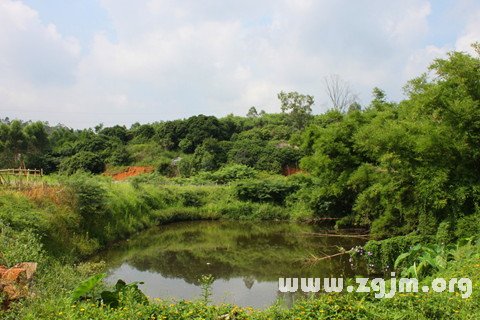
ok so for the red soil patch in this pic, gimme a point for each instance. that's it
(132, 172)
(287, 171)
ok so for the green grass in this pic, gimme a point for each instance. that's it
(54, 286)
(85, 213)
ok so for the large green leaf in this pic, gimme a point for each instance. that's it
(87, 286)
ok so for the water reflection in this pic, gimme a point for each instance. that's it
(245, 258)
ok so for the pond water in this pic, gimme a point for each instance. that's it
(246, 259)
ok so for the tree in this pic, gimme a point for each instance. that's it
(83, 160)
(252, 113)
(299, 107)
(339, 92)
(210, 155)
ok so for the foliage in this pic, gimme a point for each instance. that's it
(421, 260)
(83, 161)
(299, 107)
(111, 298)
(85, 288)
(381, 255)
(114, 299)
(407, 171)
(19, 246)
(272, 190)
(206, 282)
(229, 174)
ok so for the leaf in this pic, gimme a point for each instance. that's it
(86, 286)
(110, 298)
(400, 259)
(120, 285)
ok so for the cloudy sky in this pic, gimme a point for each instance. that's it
(84, 62)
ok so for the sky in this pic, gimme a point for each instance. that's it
(85, 62)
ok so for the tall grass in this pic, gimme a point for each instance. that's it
(77, 215)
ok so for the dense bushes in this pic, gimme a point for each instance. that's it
(83, 161)
(406, 167)
(19, 246)
(381, 255)
(269, 190)
(229, 174)
(85, 212)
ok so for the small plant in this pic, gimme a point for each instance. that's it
(422, 260)
(113, 299)
(206, 282)
(85, 289)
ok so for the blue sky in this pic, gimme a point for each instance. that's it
(78, 18)
(84, 62)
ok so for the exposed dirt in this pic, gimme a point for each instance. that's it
(132, 172)
(287, 170)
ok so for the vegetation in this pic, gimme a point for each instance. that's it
(407, 172)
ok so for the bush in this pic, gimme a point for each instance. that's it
(165, 168)
(236, 210)
(234, 172)
(326, 201)
(83, 161)
(90, 203)
(23, 246)
(120, 157)
(445, 233)
(272, 190)
(385, 226)
(381, 255)
(19, 214)
(468, 226)
(192, 198)
(268, 211)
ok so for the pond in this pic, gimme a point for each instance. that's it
(245, 258)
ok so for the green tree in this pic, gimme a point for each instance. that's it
(83, 161)
(298, 106)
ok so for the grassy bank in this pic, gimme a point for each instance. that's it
(78, 215)
(55, 285)
(59, 223)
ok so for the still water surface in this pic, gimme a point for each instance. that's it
(246, 259)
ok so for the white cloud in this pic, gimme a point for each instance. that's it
(32, 51)
(420, 60)
(171, 59)
(470, 35)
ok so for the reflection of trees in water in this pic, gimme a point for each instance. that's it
(249, 281)
(254, 251)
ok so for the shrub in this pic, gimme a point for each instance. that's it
(236, 210)
(192, 198)
(83, 161)
(445, 233)
(165, 168)
(234, 172)
(23, 246)
(468, 226)
(268, 211)
(381, 255)
(272, 190)
(385, 226)
(120, 157)
(90, 203)
(18, 213)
